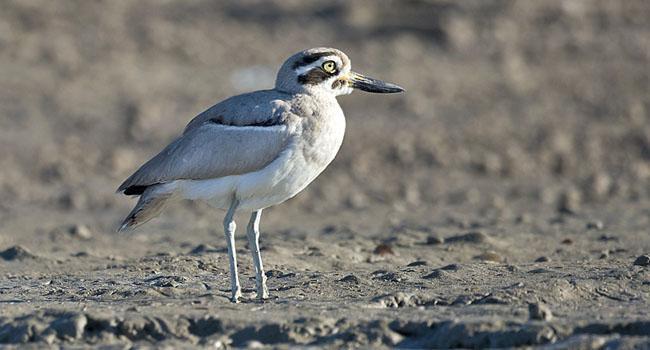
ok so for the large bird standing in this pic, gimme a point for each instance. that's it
(254, 150)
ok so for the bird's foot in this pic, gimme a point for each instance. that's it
(262, 293)
(236, 294)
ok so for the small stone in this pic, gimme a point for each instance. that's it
(434, 239)
(451, 267)
(567, 241)
(384, 249)
(543, 259)
(166, 281)
(434, 275)
(81, 231)
(569, 202)
(16, 253)
(607, 238)
(539, 311)
(418, 263)
(643, 260)
(470, 237)
(350, 279)
(278, 274)
(595, 225)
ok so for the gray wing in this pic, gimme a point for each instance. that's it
(211, 150)
(259, 108)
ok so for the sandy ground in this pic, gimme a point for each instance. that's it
(503, 201)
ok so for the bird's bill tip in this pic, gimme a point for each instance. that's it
(364, 83)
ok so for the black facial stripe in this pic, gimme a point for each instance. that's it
(307, 60)
(313, 77)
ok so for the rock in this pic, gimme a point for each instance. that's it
(278, 274)
(470, 237)
(451, 267)
(388, 276)
(166, 281)
(607, 238)
(567, 241)
(643, 260)
(539, 311)
(418, 263)
(396, 300)
(16, 253)
(598, 186)
(569, 202)
(435, 274)
(351, 279)
(543, 259)
(434, 239)
(383, 249)
(595, 225)
(81, 231)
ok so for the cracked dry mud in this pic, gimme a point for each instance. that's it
(502, 201)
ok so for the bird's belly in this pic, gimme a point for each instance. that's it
(279, 181)
(282, 179)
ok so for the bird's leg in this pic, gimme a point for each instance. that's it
(253, 233)
(229, 227)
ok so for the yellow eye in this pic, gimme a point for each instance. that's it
(329, 66)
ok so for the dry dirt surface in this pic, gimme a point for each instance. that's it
(502, 201)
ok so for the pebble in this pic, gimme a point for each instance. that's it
(278, 274)
(643, 260)
(434, 240)
(569, 202)
(595, 225)
(81, 231)
(539, 311)
(470, 237)
(384, 249)
(350, 279)
(16, 253)
(543, 259)
(434, 274)
(607, 238)
(451, 267)
(418, 263)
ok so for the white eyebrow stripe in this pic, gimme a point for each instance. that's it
(304, 69)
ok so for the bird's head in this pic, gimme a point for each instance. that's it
(325, 70)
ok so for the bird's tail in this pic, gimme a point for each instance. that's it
(148, 207)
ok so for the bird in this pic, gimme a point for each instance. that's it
(254, 150)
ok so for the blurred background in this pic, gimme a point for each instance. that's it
(511, 106)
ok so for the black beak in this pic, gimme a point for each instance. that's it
(364, 83)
